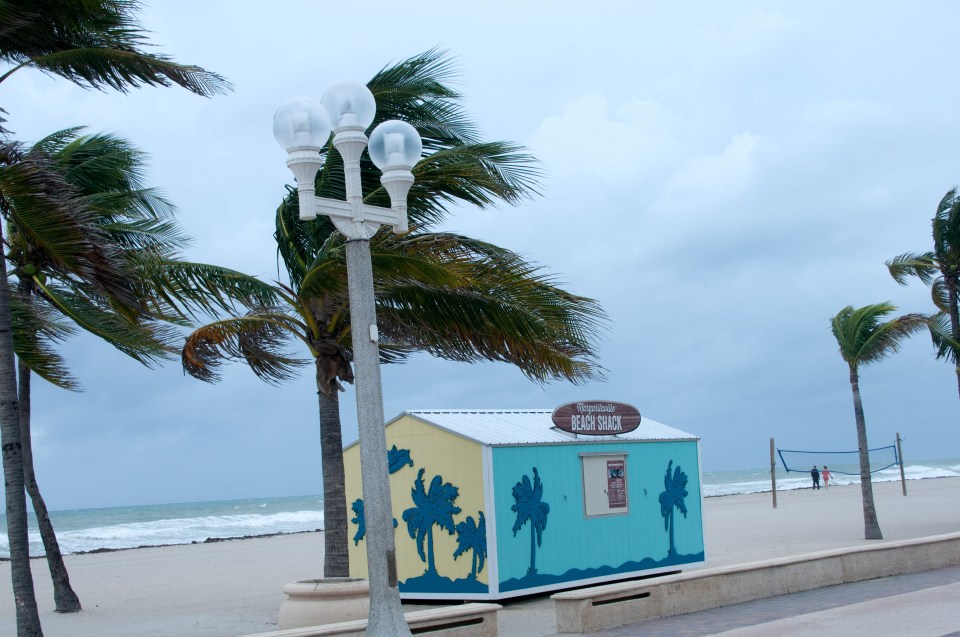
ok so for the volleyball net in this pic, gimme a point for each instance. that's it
(842, 462)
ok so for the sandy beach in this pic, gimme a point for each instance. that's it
(231, 588)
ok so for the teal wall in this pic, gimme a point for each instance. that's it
(574, 547)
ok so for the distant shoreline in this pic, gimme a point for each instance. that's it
(209, 540)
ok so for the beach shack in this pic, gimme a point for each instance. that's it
(491, 504)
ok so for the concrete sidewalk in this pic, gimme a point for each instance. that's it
(925, 604)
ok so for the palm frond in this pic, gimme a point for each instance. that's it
(941, 334)
(865, 338)
(187, 290)
(36, 332)
(147, 342)
(93, 43)
(257, 339)
(59, 230)
(923, 266)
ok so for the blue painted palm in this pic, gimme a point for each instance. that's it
(472, 536)
(360, 521)
(431, 507)
(675, 490)
(530, 507)
(398, 459)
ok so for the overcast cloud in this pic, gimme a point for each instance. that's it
(722, 177)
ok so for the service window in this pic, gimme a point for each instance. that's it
(604, 483)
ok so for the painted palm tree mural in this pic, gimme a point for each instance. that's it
(398, 459)
(472, 536)
(431, 507)
(674, 493)
(530, 507)
(361, 521)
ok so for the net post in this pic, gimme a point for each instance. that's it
(903, 479)
(773, 474)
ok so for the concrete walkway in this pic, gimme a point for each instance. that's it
(925, 604)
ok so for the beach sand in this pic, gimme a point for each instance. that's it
(231, 588)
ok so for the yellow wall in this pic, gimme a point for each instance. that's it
(457, 460)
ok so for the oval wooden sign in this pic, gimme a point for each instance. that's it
(596, 417)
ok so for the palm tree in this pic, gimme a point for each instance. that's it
(94, 44)
(433, 507)
(530, 507)
(472, 536)
(104, 173)
(940, 269)
(864, 338)
(672, 497)
(449, 295)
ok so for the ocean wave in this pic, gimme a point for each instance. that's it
(163, 532)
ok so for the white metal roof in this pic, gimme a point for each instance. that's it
(528, 427)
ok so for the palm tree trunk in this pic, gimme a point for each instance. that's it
(431, 564)
(533, 549)
(64, 597)
(336, 562)
(954, 323)
(673, 550)
(25, 600)
(870, 524)
(473, 564)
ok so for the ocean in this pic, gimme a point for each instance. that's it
(85, 530)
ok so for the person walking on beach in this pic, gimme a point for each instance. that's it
(816, 477)
(825, 474)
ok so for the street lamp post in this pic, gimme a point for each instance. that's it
(302, 126)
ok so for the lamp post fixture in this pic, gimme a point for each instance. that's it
(302, 126)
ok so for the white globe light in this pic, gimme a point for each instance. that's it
(301, 122)
(395, 144)
(350, 105)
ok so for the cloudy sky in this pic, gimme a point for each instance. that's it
(722, 177)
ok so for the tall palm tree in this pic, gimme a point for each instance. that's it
(94, 44)
(865, 338)
(472, 536)
(433, 507)
(673, 496)
(530, 507)
(105, 175)
(454, 297)
(940, 269)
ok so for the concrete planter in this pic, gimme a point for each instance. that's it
(324, 601)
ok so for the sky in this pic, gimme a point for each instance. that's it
(722, 177)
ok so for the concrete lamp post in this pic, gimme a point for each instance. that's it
(302, 126)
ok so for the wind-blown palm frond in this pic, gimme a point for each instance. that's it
(175, 289)
(923, 266)
(45, 209)
(93, 43)
(482, 302)
(37, 330)
(864, 338)
(147, 342)
(941, 335)
(258, 339)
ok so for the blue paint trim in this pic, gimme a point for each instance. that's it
(576, 574)
(433, 583)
